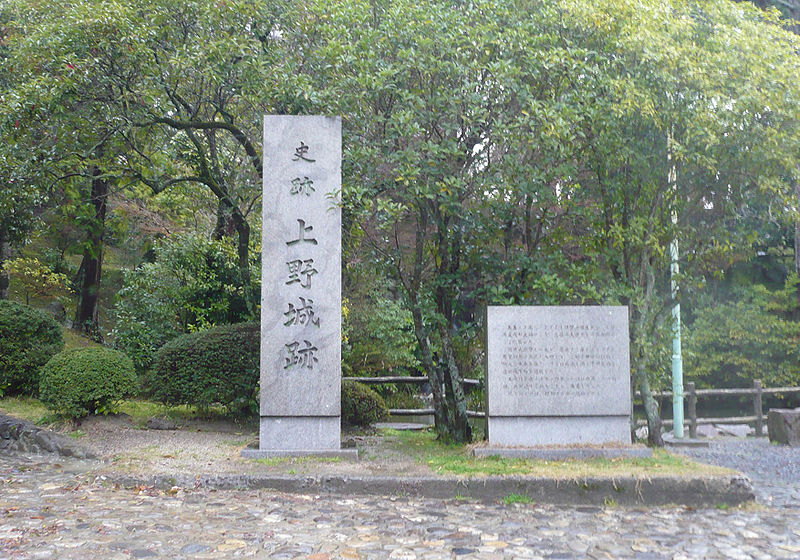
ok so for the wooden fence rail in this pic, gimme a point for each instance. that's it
(420, 381)
(757, 392)
(691, 393)
(401, 379)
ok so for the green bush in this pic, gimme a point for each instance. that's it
(216, 366)
(755, 337)
(28, 338)
(361, 406)
(193, 284)
(379, 335)
(78, 382)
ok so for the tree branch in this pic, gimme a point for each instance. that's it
(237, 133)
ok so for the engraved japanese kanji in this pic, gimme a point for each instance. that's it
(297, 356)
(301, 314)
(301, 152)
(302, 185)
(300, 272)
(301, 237)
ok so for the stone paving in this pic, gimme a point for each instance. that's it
(50, 508)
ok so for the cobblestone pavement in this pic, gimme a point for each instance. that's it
(52, 509)
(773, 469)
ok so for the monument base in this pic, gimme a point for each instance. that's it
(300, 436)
(531, 431)
(672, 441)
(298, 433)
(563, 453)
(348, 454)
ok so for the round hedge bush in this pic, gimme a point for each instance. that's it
(78, 382)
(216, 366)
(28, 339)
(361, 406)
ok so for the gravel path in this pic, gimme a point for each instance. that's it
(774, 469)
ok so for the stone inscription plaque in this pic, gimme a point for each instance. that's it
(301, 284)
(555, 366)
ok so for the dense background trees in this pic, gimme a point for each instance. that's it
(495, 152)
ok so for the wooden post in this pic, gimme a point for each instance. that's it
(692, 405)
(758, 407)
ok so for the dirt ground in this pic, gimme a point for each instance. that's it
(203, 447)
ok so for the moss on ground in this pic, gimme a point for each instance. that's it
(457, 459)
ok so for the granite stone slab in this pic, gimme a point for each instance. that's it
(558, 430)
(558, 375)
(299, 432)
(301, 283)
(783, 425)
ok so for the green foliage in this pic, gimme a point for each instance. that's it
(28, 339)
(476, 399)
(193, 284)
(400, 398)
(75, 383)
(755, 337)
(378, 332)
(361, 406)
(35, 279)
(215, 366)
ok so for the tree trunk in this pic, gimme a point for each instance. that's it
(640, 321)
(459, 430)
(86, 315)
(243, 253)
(797, 241)
(225, 224)
(230, 220)
(435, 378)
(448, 249)
(5, 254)
(650, 408)
(412, 289)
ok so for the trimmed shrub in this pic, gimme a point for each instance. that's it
(28, 338)
(216, 366)
(361, 406)
(78, 382)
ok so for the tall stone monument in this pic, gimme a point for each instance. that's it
(558, 375)
(301, 299)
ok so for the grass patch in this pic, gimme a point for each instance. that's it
(420, 443)
(26, 408)
(517, 499)
(662, 463)
(235, 442)
(456, 459)
(74, 340)
(141, 411)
